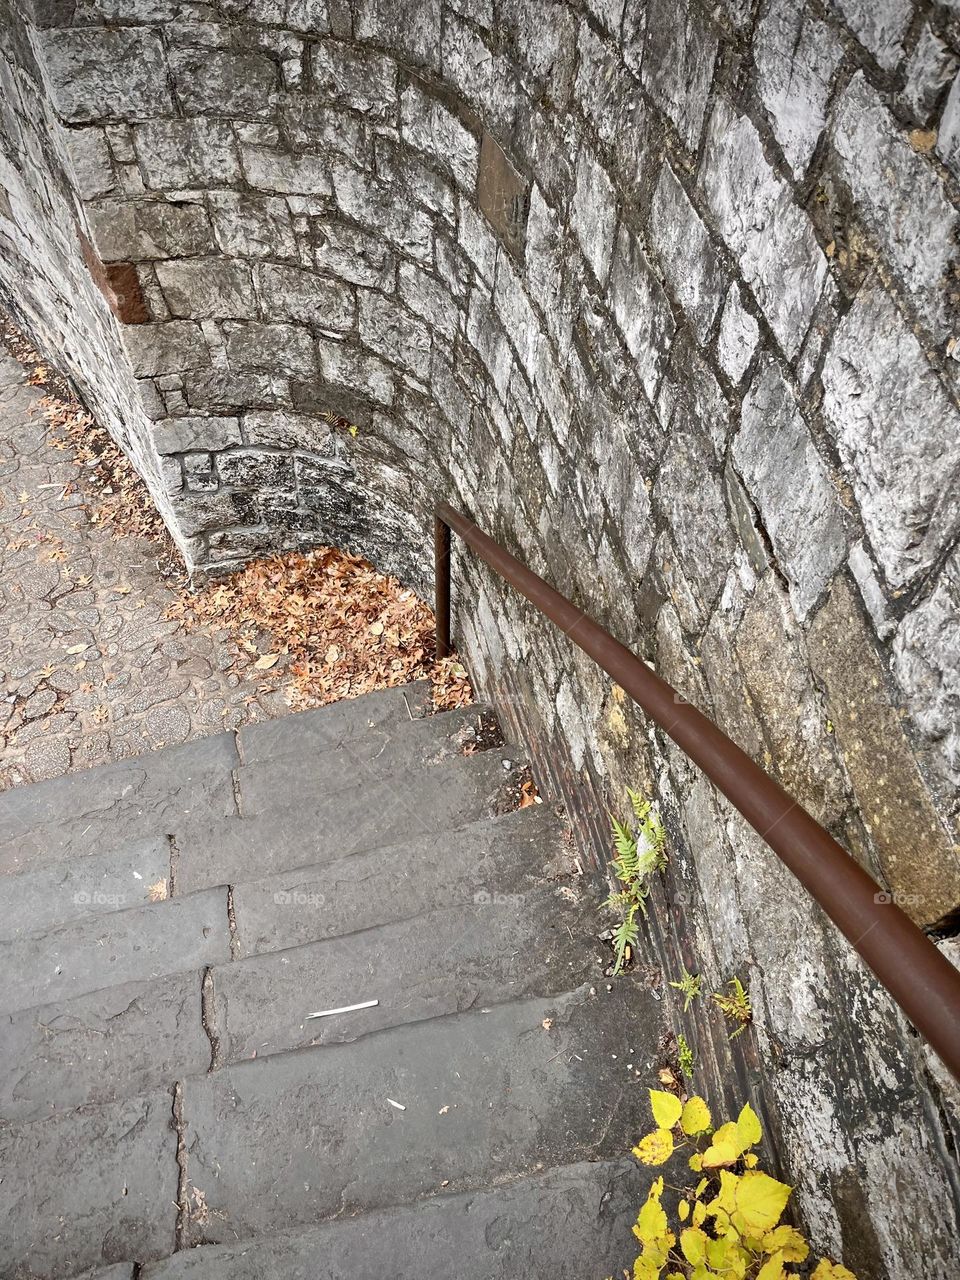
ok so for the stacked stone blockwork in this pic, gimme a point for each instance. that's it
(666, 295)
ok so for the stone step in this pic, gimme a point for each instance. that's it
(571, 1223)
(92, 1186)
(309, 732)
(364, 816)
(129, 1039)
(381, 751)
(445, 961)
(504, 855)
(96, 885)
(290, 1140)
(125, 946)
(114, 1043)
(166, 782)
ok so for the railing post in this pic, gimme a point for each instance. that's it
(441, 566)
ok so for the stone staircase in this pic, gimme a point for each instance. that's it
(168, 1106)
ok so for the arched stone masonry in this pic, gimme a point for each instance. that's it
(665, 295)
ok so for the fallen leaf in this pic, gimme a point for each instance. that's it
(267, 661)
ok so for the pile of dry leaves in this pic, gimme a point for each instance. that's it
(329, 626)
(321, 626)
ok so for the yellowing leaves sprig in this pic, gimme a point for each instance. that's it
(729, 1225)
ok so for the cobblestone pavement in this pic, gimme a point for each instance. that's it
(90, 668)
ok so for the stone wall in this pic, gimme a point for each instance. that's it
(665, 295)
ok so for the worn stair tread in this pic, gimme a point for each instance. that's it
(298, 1137)
(570, 1223)
(113, 1043)
(94, 1185)
(167, 776)
(382, 750)
(366, 815)
(492, 856)
(323, 727)
(31, 901)
(445, 961)
(125, 946)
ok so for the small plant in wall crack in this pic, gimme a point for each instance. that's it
(685, 1057)
(689, 986)
(729, 1223)
(640, 852)
(735, 1006)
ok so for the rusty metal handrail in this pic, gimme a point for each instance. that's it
(921, 980)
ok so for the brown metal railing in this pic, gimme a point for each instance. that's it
(921, 980)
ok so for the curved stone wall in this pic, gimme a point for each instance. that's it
(665, 295)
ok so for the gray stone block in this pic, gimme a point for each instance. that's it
(688, 258)
(879, 25)
(429, 127)
(355, 256)
(391, 331)
(359, 79)
(90, 160)
(263, 346)
(898, 194)
(769, 235)
(100, 72)
(179, 435)
(679, 52)
(374, 205)
(122, 946)
(593, 214)
(737, 337)
(99, 1048)
(248, 226)
(141, 230)
(897, 433)
(288, 174)
(580, 1217)
(641, 310)
(208, 288)
(224, 82)
(260, 1134)
(36, 900)
(791, 487)
(290, 293)
(796, 57)
(349, 367)
(178, 154)
(156, 349)
(89, 1187)
(929, 69)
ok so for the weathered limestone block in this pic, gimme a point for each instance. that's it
(353, 255)
(737, 337)
(224, 82)
(898, 195)
(593, 213)
(179, 154)
(359, 79)
(290, 293)
(208, 288)
(226, 391)
(640, 308)
(90, 160)
(268, 346)
(687, 256)
(100, 73)
(796, 57)
(790, 485)
(248, 469)
(156, 349)
(929, 70)
(360, 372)
(391, 331)
(414, 32)
(769, 235)
(879, 25)
(374, 204)
(140, 230)
(919, 862)
(249, 226)
(926, 661)
(199, 513)
(428, 126)
(180, 435)
(610, 97)
(676, 64)
(281, 171)
(897, 432)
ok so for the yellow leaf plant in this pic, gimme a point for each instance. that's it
(729, 1224)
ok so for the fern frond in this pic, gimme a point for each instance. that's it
(623, 840)
(626, 934)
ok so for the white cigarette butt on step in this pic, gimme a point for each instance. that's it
(398, 1105)
(347, 1008)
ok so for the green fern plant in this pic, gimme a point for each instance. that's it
(736, 1007)
(640, 852)
(689, 985)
